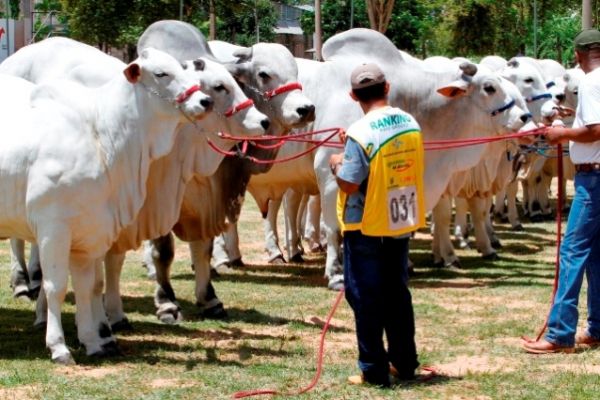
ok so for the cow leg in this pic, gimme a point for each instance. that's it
(461, 228)
(274, 254)
(291, 206)
(226, 248)
(19, 278)
(54, 255)
(301, 219)
(83, 279)
(206, 298)
(500, 210)
(313, 224)
(442, 215)
(543, 194)
(479, 212)
(162, 252)
(334, 270)
(148, 258)
(113, 263)
(511, 204)
(109, 343)
(489, 227)
(35, 271)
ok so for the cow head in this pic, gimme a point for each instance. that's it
(262, 70)
(233, 112)
(165, 81)
(571, 81)
(532, 86)
(495, 100)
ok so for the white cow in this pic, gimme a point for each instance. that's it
(169, 175)
(75, 174)
(268, 74)
(446, 105)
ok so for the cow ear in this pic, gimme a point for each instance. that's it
(513, 62)
(454, 90)
(132, 73)
(244, 54)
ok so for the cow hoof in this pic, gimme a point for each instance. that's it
(39, 326)
(536, 218)
(214, 272)
(34, 292)
(169, 314)
(122, 326)
(548, 217)
(237, 263)
(21, 290)
(454, 265)
(491, 257)
(277, 260)
(65, 359)
(215, 312)
(496, 244)
(316, 248)
(438, 264)
(111, 349)
(463, 245)
(518, 228)
(298, 259)
(336, 284)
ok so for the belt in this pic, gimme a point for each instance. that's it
(588, 167)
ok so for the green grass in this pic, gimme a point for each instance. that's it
(468, 326)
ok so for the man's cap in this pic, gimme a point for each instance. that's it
(366, 75)
(587, 39)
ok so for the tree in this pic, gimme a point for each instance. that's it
(380, 13)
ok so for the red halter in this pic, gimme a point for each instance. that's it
(288, 87)
(187, 94)
(238, 107)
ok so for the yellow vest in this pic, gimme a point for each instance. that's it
(394, 202)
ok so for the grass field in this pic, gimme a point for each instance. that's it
(468, 327)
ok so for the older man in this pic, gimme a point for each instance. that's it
(580, 249)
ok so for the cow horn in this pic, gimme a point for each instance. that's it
(567, 78)
(513, 62)
(243, 54)
(468, 68)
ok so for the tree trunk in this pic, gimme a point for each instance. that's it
(380, 14)
(586, 14)
(318, 31)
(212, 21)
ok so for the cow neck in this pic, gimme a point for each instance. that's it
(129, 137)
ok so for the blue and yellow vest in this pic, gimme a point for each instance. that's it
(394, 200)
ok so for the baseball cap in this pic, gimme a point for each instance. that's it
(586, 39)
(366, 75)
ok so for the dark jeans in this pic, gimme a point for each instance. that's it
(376, 281)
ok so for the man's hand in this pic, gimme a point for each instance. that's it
(342, 135)
(556, 135)
(335, 161)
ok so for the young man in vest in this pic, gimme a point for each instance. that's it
(380, 202)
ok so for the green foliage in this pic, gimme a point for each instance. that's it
(15, 9)
(237, 21)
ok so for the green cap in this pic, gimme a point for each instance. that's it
(586, 39)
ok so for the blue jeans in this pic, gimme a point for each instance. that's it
(376, 281)
(579, 253)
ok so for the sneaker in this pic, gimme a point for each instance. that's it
(360, 380)
(585, 340)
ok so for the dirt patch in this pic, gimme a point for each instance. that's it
(89, 372)
(161, 383)
(476, 365)
(20, 393)
(575, 368)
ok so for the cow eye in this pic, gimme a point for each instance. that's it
(264, 76)
(575, 92)
(160, 74)
(529, 80)
(489, 89)
(221, 88)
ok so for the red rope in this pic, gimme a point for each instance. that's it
(559, 207)
(320, 354)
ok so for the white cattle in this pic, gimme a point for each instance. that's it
(169, 175)
(268, 74)
(75, 174)
(464, 109)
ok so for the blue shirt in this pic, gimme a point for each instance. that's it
(355, 169)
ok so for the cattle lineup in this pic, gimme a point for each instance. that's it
(100, 158)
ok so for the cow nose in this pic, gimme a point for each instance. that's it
(265, 123)
(306, 111)
(207, 103)
(560, 97)
(525, 117)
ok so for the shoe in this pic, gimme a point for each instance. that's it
(360, 380)
(585, 340)
(545, 347)
(405, 376)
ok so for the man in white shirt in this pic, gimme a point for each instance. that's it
(580, 249)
